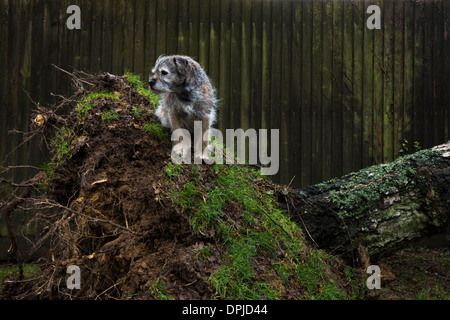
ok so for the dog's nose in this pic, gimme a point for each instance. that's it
(151, 83)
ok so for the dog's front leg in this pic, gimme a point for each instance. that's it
(201, 142)
(181, 148)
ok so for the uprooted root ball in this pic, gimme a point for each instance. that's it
(140, 227)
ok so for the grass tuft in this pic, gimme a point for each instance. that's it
(264, 254)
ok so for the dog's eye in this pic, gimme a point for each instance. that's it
(164, 72)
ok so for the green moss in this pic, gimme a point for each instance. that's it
(234, 203)
(85, 103)
(158, 132)
(62, 145)
(7, 271)
(141, 87)
(357, 192)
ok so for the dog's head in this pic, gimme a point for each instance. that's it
(174, 74)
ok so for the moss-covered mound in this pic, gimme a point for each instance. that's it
(140, 227)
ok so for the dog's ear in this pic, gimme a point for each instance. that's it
(181, 65)
(185, 68)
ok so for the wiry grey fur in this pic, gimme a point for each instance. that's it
(186, 95)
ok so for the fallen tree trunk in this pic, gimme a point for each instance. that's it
(383, 208)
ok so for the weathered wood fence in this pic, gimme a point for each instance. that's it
(342, 95)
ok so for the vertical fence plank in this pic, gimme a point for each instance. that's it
(12, 84)
(150, 34)
(428, 78)
(203, 32)
(4, 18)
(438, 62)
(246, 65)
(266, 64)
(338, 10)
(214, 45)
(96, 38)
(44, 57)
(183, 27)
(34, 156)
(117, 37)
(378, 70)
(172, 27)
(296, 115)
(245, 72)
(55, 49)
(408, 74)
(224, 79)
(327, 87)
(140, 59)
(86, 33)
(285, 99)
(306, 136)
(215, 54)
(256, 65)
(235, 64)
(194, 6)
(316, 91)
(388, 80)
(23, 110)
(107, 35)
(367, 89)
(358, 45)
(419, 17)
(161, 28)
(266, 58)
(398, 77)
(4, 106)
(161, 25)
(276, 72)
(64, 57)
(128, 36)
(446, 68)
(347, 87)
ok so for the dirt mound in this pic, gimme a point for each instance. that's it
(107, 215)
(140, 227)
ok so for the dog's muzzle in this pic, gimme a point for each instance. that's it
(151, 83)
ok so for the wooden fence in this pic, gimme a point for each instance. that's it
(342, 95)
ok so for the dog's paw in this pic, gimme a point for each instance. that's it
(205, 156)
(199, 157)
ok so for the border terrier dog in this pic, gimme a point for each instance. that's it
(186, 95)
